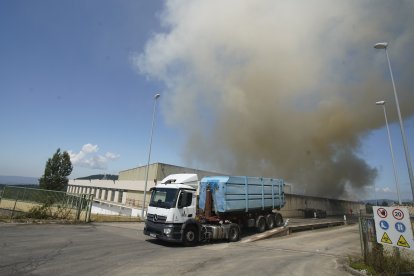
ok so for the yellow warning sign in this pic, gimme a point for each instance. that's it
(403, 242)
(386, 239)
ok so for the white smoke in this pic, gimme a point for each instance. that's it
(282, 88)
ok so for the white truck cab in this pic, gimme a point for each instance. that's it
(171, 207)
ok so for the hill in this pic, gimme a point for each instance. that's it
(18, 180)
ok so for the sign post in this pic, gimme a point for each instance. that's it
(393, 226)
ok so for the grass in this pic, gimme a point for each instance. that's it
(384, 263)
(361, 266)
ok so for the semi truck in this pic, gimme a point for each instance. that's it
(224, 206)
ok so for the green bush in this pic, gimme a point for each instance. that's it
(40, 212)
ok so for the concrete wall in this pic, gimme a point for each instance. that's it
(115, 210)
(333, 207)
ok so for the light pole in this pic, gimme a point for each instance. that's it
(384, 45)
(391, 150)
(156, 96)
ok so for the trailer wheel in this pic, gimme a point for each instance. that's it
(261, 224)
(270, 221)
(279, 220)
(190, 236)
(234, 233)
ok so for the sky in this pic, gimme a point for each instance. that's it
(273, 88)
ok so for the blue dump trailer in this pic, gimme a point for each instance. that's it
(238, 194)
(226, 205)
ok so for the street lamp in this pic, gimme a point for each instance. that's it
(392, 152)
(156, 96)
(384, 45)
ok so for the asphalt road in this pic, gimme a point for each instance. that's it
(122, 249)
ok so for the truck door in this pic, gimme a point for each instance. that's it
(186, 205)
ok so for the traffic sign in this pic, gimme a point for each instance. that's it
(402, 242)
(384, 225)
(386, 239)
(400, 227)
(398, 214)
(393, 226)
(382, 213)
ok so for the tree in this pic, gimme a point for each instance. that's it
(57, 169)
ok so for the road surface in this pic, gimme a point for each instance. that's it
(122, 249)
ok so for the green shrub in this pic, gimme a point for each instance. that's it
(361, 266)
(40, 212)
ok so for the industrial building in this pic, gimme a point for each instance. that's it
(125, 195)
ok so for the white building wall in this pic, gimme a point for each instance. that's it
(116, 196)
(124, 197)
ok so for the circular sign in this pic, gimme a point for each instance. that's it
(400, 227)
(398, 214)
(384, 225)
(382, 213)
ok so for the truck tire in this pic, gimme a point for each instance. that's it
(190, 236)
(234, 233)
(270, 221)
(278, 220)
(261, 224)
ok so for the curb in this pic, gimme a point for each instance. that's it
(353, 271)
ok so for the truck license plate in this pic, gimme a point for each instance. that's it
(153, 235)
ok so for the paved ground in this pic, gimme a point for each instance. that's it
(122, 249)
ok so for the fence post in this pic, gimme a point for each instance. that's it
(2, 193)
(89, 208)
(86, 208)
(360, 233)
(79, 206)
(14, 207)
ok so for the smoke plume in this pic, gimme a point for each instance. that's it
(282, 88)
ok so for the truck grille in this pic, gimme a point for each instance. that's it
(156, 218)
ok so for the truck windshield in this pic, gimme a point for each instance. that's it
(163, 198)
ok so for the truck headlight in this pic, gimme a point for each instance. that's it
(167, 231)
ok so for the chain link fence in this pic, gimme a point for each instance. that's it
(22, 202)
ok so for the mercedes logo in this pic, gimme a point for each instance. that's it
(155, 217)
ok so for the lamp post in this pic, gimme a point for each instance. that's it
(156, 96)
(391, 150)
(384, 45)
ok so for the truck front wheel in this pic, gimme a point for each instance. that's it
(234, 233)
(190, 236)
